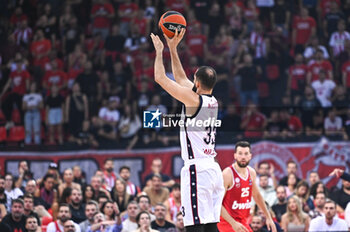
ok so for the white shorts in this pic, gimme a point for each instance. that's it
(202, 192)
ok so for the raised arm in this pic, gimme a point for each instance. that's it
(176, 66)
(181, 93)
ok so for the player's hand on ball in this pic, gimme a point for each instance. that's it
(238, 227)
(173, 42)
(157, 43)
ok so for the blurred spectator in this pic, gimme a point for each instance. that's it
(330, 222)
(127, 11)
(64, 214)
(18, 17)
(24, 175)
(91, 209)
(102, 13)
(31, 188)
(156, 192)
(40, 48)
(257, 224)
(297, 79)
(78, 176)
(77, 59)
(280, 16)
(89, 194)
(197, 42)
(318, 66)
(179, 223)
(258, 44)
(248, 77)
(173, 203)
(342, 196)
(161, 224)
(266, 168)
(130, 224)
(77, 207)
(101, 224)
(114, 46)
(54, 115)
(48, 23)
(310, 51)
(292, 182)
(295, 219)
(71, 34)
(76, 109)
(294, 125)
(267, 191)
(109, 174)
(32, 224)
(274, 126)
(346, 74)
(67, 181)
(144, 222)
(47, 191)
(110, 210)
(135, 40)
(156, 168)
(347, 124)
(11, 191)
(3, 196)
(28, 206)
(96, 183)
(331, 19)
(120, 196)
(231, 122)
(309, 107)
(319, 201)
(340, 102)
(302, 190)
(23, 34)
(280, 207)
(333, 125)
(324, 89)
(32, 104)
(19, 83)
(144, 202)
(16, 220)
(85, 137)
(129, 126)
(313, 178)
(101, 199)
(291, 168)
(69, 226)
(131, 188)
(338, 38)
(304, 27)
(253, 122)
(317, 126)
(54, 76)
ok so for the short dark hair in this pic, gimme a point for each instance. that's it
(28, 195)
(143, 196)
(31, 216)
(124, 167)
(64, 205)
(206, 76)
(264, 162)
(176, 186)
(291, 162)
(242, 144)
(109, 159)
(92, 202)
(264, 175)
(139, 215)
(17, 200)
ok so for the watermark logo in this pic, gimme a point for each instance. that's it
(151, 118)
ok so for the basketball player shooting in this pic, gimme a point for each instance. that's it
(202, 188)
(240, 187)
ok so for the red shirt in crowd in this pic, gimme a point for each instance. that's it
(16, 19)
(177, 5)
(128, 8)
(315, 68)
(325, 6)
(141, 24)
(40, 48)
(346, 70)
(195, 44)
(255, 125)
(303, 27)
(101, 11)
(19, 79)
(294, 124)
(297, 73)
(54, 77)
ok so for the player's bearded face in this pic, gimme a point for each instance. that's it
(242, 163)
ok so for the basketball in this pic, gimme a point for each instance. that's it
(170, 21)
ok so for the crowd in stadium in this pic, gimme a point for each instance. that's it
(111, 202)
(81, 72)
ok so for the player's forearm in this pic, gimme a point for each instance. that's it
(227, 216)
(159, 70)
(176, 66)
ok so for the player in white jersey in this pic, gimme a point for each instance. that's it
(202, 187)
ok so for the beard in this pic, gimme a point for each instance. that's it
(2, 190)
(76, 203)
(347, 187)
(63, 219)
(109, 170)
(241, 164)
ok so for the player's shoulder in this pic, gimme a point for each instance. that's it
(252, 171)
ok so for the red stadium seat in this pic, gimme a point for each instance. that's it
(2, 117)
(272, 71)
(17, 134)
(16, 116)
(3, 134)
